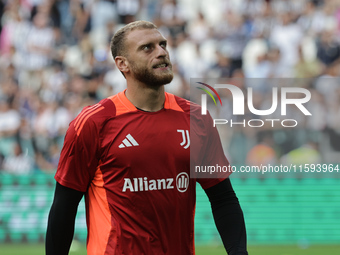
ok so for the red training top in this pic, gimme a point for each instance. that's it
(134, 167)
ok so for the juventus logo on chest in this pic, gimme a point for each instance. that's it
(185, 138)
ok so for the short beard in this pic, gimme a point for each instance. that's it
(144, 75)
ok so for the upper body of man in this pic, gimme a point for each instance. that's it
(127, 154)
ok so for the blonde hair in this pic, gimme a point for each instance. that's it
(117, 42)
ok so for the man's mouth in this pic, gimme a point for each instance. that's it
(163, 65)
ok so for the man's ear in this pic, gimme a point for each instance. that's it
(122, 64)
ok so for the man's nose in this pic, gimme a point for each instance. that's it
(161, 51)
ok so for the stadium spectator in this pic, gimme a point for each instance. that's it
(172, 16)
(328, 47)
(311, 19)
(40, 42)
(262, 153)
(127, 10)
(327, 84)
(81, 13)
(306, 154)
(234, 40)
(18, 162)
(306, 67)
(51, 10)
(14, 29)
(222, 66)
(9, 127)
(2, 6)
(199, 29)
(286, 36)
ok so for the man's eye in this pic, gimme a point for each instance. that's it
(146, 47)
(163, 45)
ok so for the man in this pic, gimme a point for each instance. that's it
(126, 154)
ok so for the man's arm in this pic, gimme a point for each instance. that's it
(228, 217)
(61, 220)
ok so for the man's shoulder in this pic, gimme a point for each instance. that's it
(108, 107)
(102, 109)
(94, 116)
(194, 110)
(185, 104)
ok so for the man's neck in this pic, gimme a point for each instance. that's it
(146, 98)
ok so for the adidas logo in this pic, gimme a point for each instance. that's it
(128, 142)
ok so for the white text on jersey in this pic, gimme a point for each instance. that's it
(143, 184)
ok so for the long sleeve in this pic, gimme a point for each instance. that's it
(228, 217)
(61, 220)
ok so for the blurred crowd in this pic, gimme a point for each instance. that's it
(55, 59)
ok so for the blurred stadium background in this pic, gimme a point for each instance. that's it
(55, 59)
